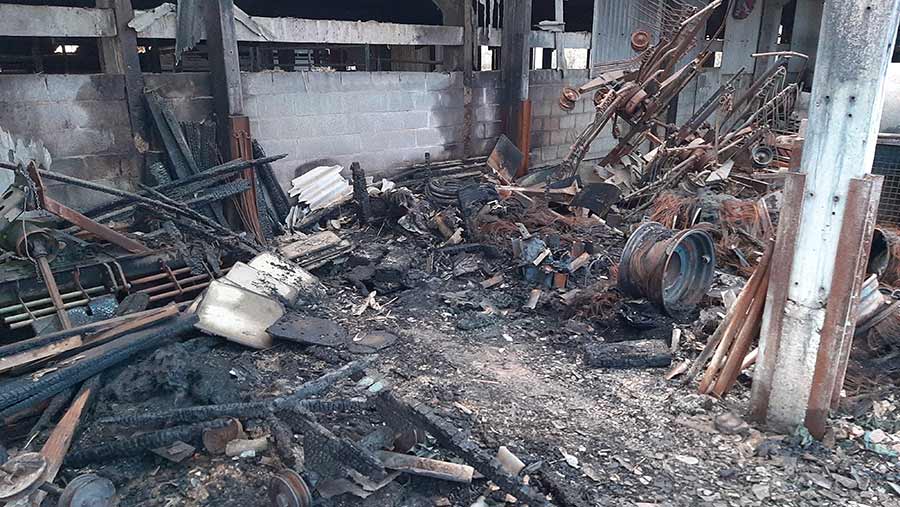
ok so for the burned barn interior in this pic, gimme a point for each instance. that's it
(449, 253)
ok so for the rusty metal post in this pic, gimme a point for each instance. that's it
(811, 302)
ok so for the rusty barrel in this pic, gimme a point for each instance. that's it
(673, 269)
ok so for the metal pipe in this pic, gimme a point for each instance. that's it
(24, 320)
(157, 288)
(38, 302)
(174, 293)
(161, 276)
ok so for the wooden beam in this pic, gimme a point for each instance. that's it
(225, 69)
(60, 439)
(51, 21)
(468, 68)
(540, 38)
(326, 31)
(515, 67)
(118, 55)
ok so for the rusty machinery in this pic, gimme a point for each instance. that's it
(163, 275)
(635, 94)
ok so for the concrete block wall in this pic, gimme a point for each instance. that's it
(553, 130)
(384, 120)
(188, 93)
(82, 120)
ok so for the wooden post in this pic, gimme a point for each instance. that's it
(802, 342)
(559, 38)
(468, 69)
(118, 55)
(515, 66)
(225, 69)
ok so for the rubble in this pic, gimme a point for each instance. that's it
(459, 332)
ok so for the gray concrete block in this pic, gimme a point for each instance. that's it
(36, 119)
(452, 98)
(70, 87)
(276, 128)
(436, 81)
(487, 79)
(305, 104)
(446, 117)
(83, 141)
(555, 110)
(567, 122)
(558, 137)
(551, 124)
(331, 146)
(399, 101)
(488, 113)
(363, 102)
(97, 114)
(182, 84)
(542, 76)
(582, 120)
(549, 153)
(425, 101)
(413, 119)
(486, 96)
(541, 109)
(322, 125)
(274, 82)
(23, 88)
(415, 81)
(433, 137)
(274, 106)
(489, 130)
(382, 141)
(193, 109)
(385, 80)
(356, 81)
(322, 82)
(576, 76)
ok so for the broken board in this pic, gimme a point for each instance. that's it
(308, 330)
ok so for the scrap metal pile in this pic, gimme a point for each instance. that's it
(660, 244)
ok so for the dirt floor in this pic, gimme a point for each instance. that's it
(516, 378)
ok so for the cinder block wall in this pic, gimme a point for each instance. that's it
(384, 120)
(83, 121)
(553, 130)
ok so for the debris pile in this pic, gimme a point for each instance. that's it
(331, 341)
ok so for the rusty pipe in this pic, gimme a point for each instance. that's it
(39, 302)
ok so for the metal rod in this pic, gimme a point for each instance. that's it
(174, 293)
(37, 302)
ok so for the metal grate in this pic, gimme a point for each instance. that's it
(887, 164)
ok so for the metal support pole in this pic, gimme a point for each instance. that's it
(801, 341)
